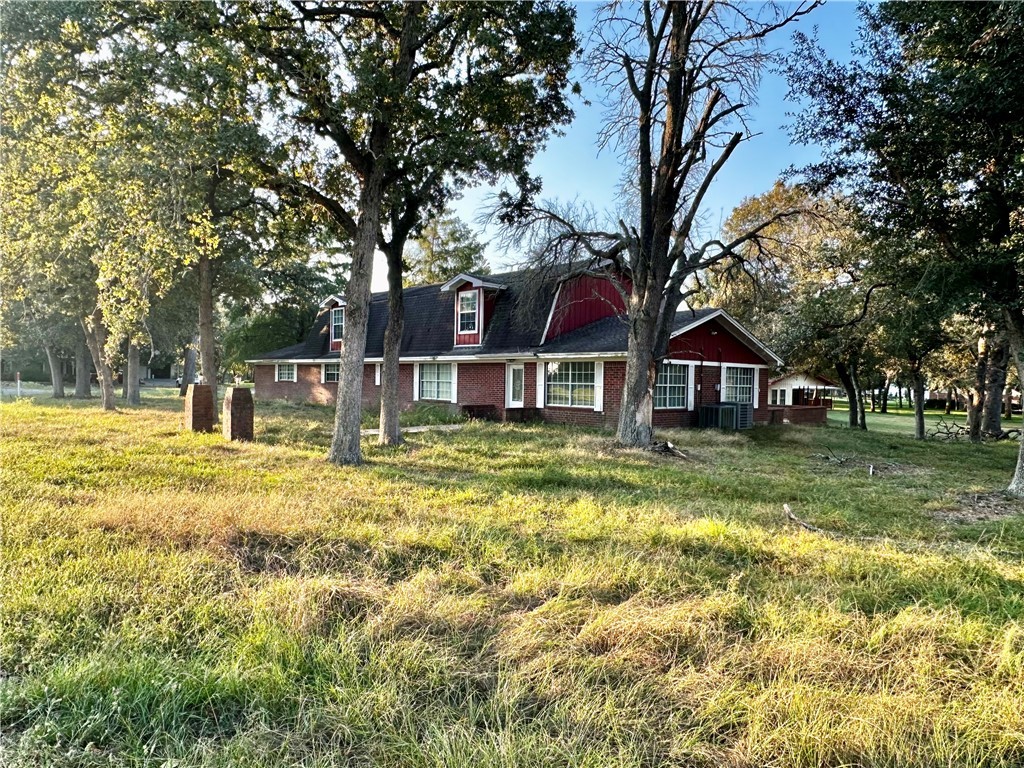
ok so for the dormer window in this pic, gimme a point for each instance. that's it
(337, 324)
(468, 312)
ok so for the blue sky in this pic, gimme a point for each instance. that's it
(572, 168)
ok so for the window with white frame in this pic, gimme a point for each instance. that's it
(778, 396)
(435, 381)
(337, 324)
(670, 386)
(571, 384)
(286, 371)
(739, 385)
(331, 371)
(467, 312)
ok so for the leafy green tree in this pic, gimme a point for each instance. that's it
(94, 197)
(445, 247)
(280, 313)
(190, 146)
(923, 132)
(412, 101)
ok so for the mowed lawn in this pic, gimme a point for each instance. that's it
(503, 596)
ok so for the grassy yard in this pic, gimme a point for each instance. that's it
(506, 595)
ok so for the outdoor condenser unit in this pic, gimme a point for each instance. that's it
(718, 416)
(726, 416)
(744, 415)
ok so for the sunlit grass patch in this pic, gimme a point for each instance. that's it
(504, 595)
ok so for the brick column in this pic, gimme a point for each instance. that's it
(199, 408)
(237, 417)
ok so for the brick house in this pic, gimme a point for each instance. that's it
(510, 347)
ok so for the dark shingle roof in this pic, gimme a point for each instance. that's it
(611, 334)
(516, 326)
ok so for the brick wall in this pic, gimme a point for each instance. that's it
(371, 392)
(305, 389)
(798, 414)
(483, 385)
(761, 412)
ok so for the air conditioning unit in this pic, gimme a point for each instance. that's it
(718, 416)
(744, 415)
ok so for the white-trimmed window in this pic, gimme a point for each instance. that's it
(778, 396)
(468, 311)
(337, 324)
(670, 386)
(435, 381)
(571, 384)
(331, 372)
(285, 372)
(739, 385)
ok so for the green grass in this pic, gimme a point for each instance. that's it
(293, 420)
(898, 420)
(505, 595)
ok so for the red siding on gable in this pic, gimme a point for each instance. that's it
(490, 299)
(469, 338)
(582, 300)
(712, 343)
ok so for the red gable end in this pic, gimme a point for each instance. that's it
(580, 301)
(712, 342)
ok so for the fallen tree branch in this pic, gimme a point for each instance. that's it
(668, 449)
(944, 430)
(794, 519)
(831, 457)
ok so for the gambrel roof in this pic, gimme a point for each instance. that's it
(516, 327)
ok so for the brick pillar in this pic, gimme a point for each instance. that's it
(238, 413)
(199, 408)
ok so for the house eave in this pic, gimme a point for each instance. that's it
(334, 300)
(459, 280)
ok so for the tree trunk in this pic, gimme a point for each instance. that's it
(345, 447)
(96, 336)
(949, 400)
(56, 372)
(188, 375)
(636, 415)
(885, 395)
(124, 374)
(899, 395)
(861, 402)
(976, 397)
(131, 376)
(1008, 403)
(917, 382)
(995, 382)
(207, 343)
(83, 385)
(851, 392)
(390, 430)
(1015, 337)
(874, 400)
